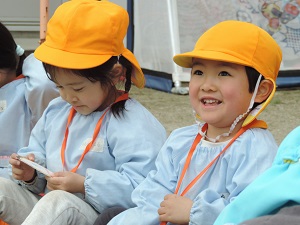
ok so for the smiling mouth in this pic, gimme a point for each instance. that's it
(210, 101)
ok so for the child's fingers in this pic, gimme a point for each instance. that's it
(13, 160)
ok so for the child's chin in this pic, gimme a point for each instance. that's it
(83, 112)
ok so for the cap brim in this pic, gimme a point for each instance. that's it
(186, 59)
(70, 60)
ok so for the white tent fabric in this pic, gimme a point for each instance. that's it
(163, 28)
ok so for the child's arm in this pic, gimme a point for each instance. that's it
(159, 183)
(36, 147)
(149, 194)
(133, 142)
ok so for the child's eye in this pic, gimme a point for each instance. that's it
(78, 89)
(224, 74)
(59, 87)
(197, 72)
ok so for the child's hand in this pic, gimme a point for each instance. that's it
(175, 209)
(67, 181)
(20, 170)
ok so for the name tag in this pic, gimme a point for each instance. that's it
(98, 145)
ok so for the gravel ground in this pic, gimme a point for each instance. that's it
(174, 111)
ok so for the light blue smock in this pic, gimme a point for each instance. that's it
(271, 190)
(251, 154)
(22, 103)
(123, 154)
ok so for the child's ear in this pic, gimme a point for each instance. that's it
(264, 90)
(117, 69)
(119, 73)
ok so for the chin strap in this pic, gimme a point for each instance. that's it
(235, 122)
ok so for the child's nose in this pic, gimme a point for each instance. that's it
(69, 97)
(208, 84)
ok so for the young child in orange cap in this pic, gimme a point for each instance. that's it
(96, 143)
(203, 167)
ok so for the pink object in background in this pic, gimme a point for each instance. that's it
(44, 16)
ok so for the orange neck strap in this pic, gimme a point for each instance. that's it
(19, 77)
(255, 123)
(72, 113)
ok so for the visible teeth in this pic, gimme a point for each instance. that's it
(210, 101)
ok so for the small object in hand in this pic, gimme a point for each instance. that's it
(36, 166)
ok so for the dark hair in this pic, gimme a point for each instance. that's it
(104, 74)
(8, 56)
(252, 75)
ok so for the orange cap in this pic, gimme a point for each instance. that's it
(240, 43)
(86, 33)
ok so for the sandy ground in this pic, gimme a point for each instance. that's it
(174, 111)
